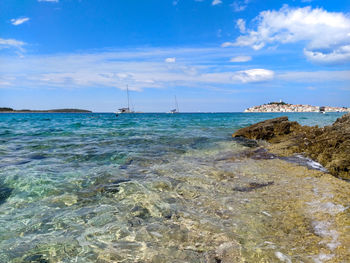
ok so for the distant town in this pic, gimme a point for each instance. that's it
(286, 107)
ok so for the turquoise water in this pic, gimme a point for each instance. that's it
(96, 188)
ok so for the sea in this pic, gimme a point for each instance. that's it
(156, 187)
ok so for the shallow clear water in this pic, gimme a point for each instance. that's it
(157, 188)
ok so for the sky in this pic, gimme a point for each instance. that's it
(213, 55)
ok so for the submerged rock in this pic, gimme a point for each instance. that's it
(262, 154)
(5, 193)
(126, 164)
(252, 186)
(37, 258)
(246, 142)
(226, 253)
(330, 146)
(113, 187)
(141, 212)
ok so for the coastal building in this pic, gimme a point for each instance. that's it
(285, 107)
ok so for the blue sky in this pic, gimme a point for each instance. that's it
(214, 55)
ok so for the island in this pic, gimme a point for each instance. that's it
(286, 107)
(10, 110)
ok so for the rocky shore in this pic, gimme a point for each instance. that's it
(330, 145)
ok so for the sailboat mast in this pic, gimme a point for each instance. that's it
(127, 92)
(177, 106)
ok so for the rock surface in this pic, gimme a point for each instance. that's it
(329, 146)
(268, 129)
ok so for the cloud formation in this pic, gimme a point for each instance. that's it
(339, 55)
(170, 60)
(254, 75)
(216, 2)
(11, 43)
(140, 69)
(19, 21)
(326, 34)
(145, 68)
(315, 76)
(241, 25)
(241, 59)
(240, 5)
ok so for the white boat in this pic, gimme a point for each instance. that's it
(176, 110)
(125, 110)
(322, 109)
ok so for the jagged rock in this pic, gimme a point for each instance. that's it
(329, 146)
(268, 129)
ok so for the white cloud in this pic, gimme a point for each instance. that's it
(326, 34)
(140, 69)
(144, 68)
(219, 33)
(170, 60)
(241, 59)
(19, 21)
(11, 43)
(310, 88)
(254, 75)
(216, 2)
(227, 44)
(342, 54)
(241, 25)
(315, 76)
(240, 5)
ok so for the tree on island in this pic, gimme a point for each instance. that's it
(6, 109)
(277, 103)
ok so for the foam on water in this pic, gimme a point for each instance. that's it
(305, 161)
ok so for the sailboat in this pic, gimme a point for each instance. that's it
(126, 110)
(176, 110)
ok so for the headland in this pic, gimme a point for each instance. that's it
(286, 107)
(10, 110)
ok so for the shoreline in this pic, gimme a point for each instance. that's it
(329, 146)
(64, 110)
(219, 112)
(286, 107)
(42, 112)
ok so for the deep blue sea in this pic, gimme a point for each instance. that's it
(134, 188)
